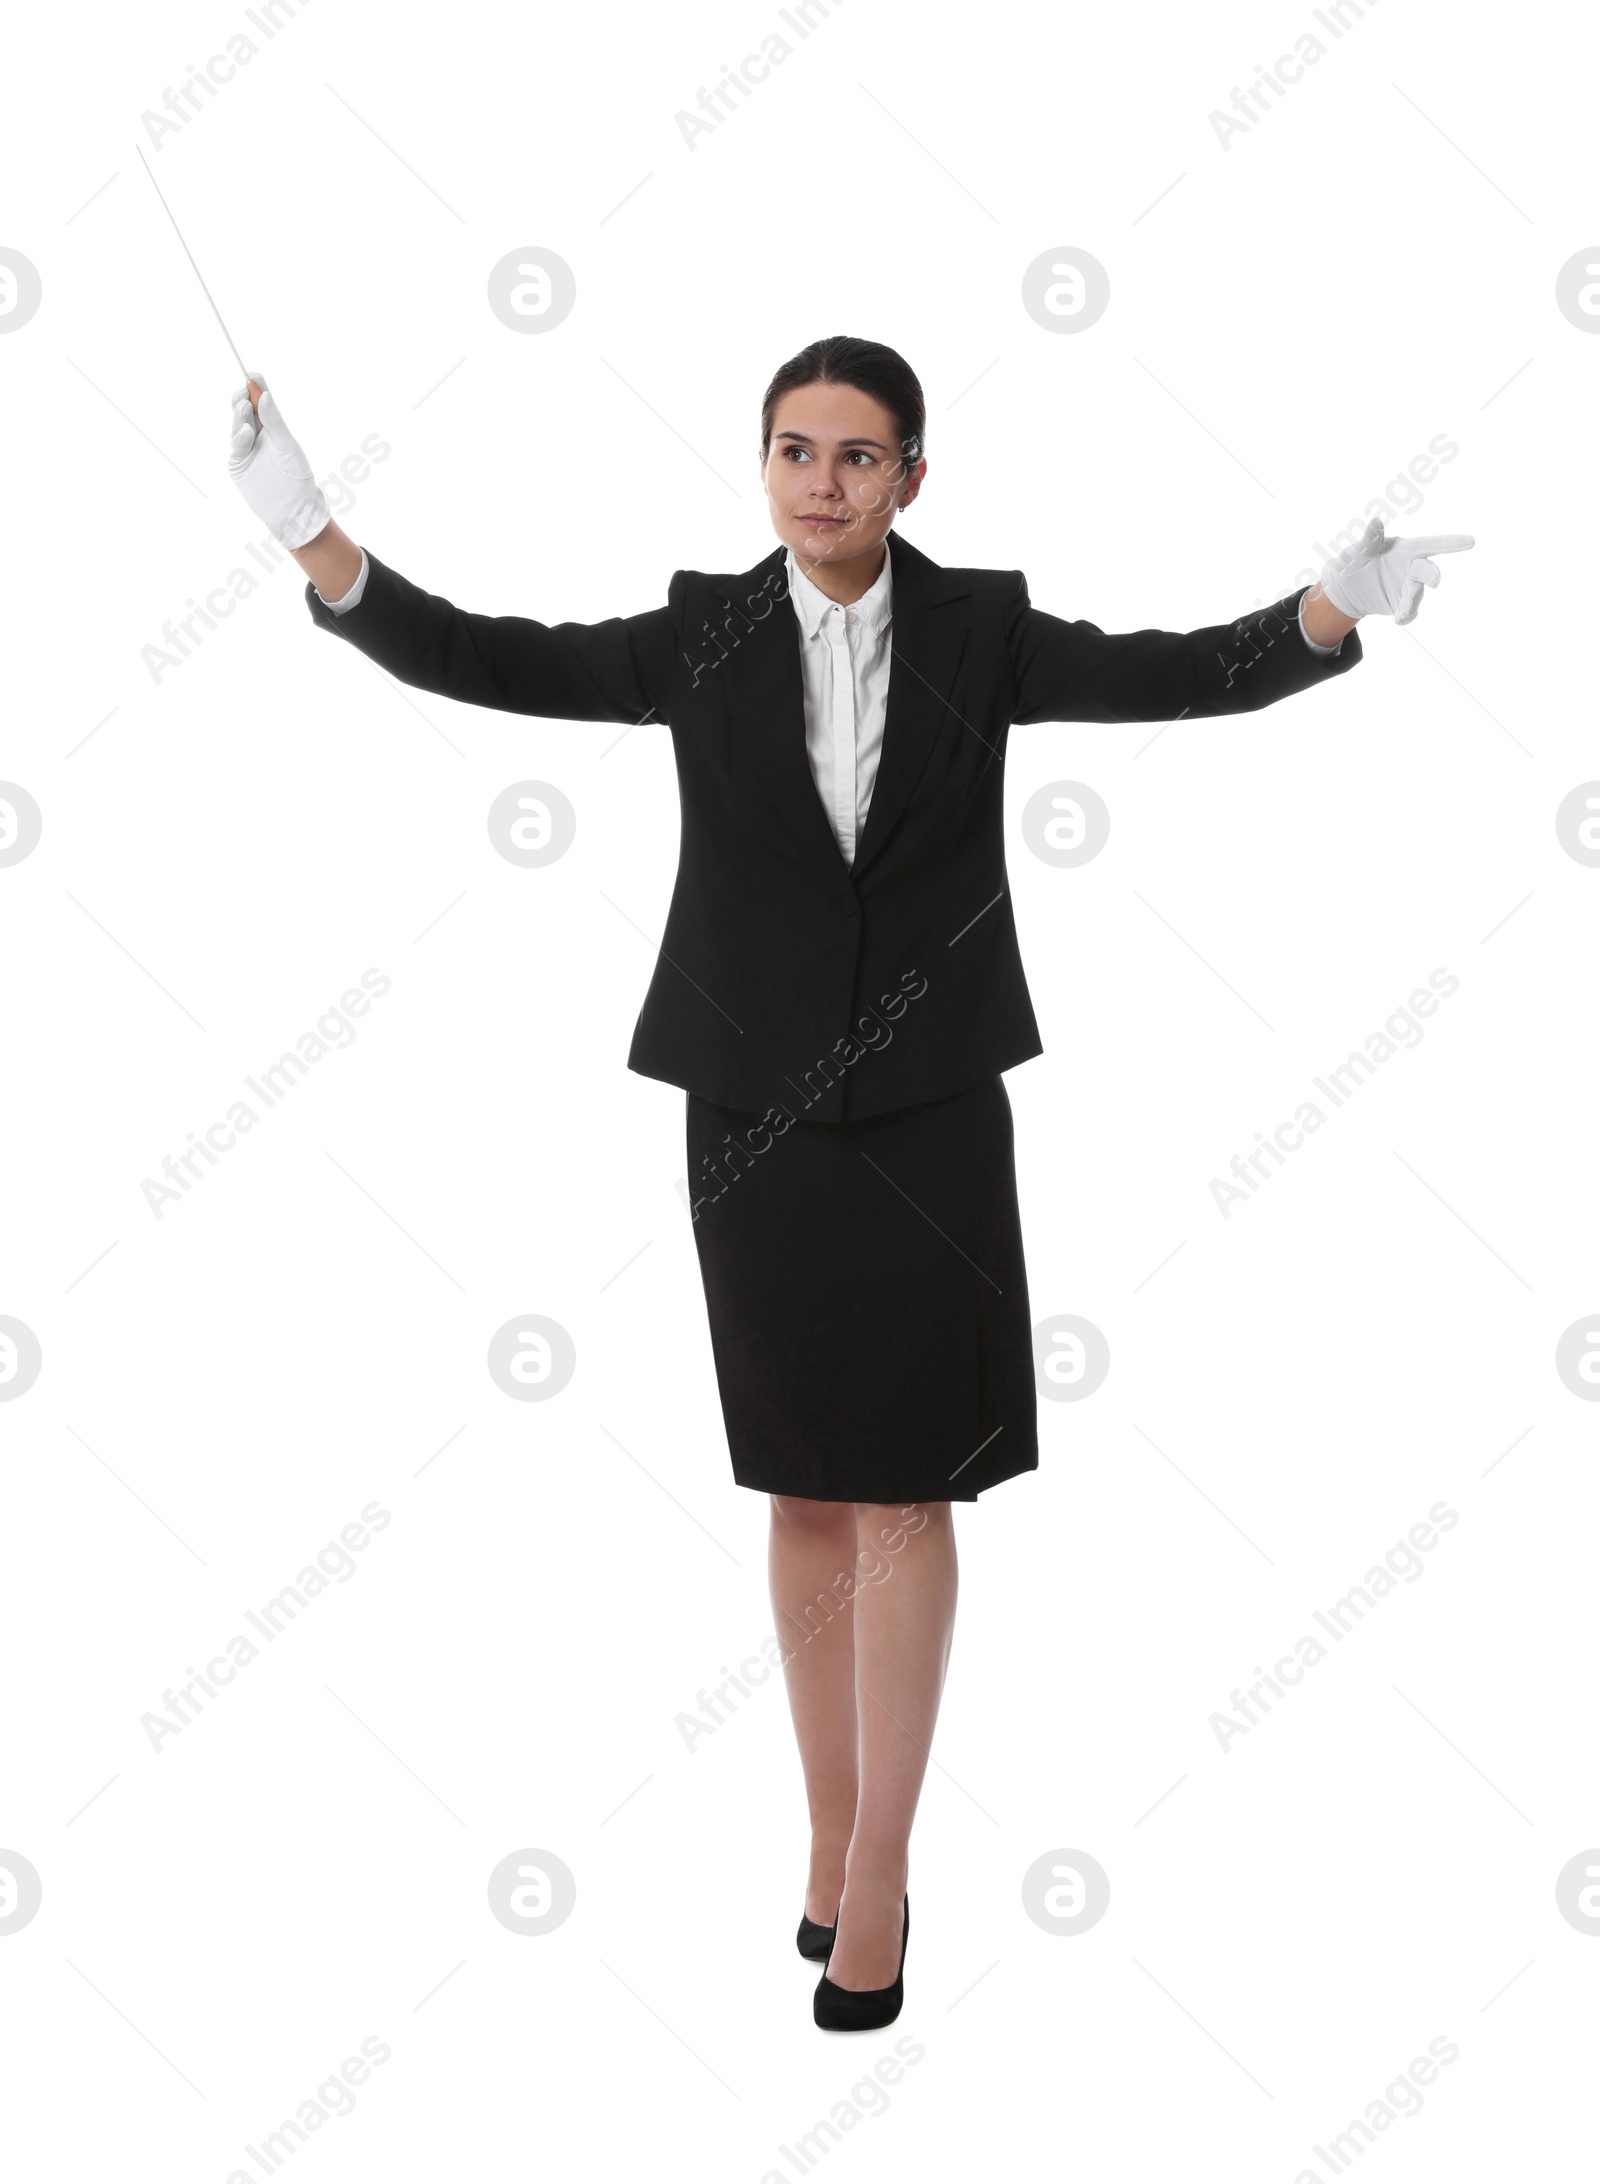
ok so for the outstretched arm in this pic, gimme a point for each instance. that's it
(1075, 671)
(613, 670)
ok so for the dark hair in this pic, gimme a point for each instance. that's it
(844, 361)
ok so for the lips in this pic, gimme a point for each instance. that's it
(829, 523)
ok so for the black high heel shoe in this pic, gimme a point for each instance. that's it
(852, 2009)
(813, 1941)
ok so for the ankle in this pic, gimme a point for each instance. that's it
(869, 1876)
(830, 1841)
(825, 1880)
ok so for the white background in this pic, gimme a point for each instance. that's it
(1292, 319)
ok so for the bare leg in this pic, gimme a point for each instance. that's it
(811, 1563)
(903, 1624)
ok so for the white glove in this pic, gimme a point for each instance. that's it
(1381, 575)
(268, 465)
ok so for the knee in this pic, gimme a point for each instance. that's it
(795, 1512)
(891, 1524)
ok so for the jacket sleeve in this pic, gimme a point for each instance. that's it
(1074, 671)
(612, 670)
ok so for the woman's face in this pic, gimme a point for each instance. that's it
(834, 474)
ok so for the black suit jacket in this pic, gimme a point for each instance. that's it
(786, 978)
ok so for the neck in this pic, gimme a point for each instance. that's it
(845, 582)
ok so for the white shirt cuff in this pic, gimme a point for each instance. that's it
(1324, 651)
(352, 597)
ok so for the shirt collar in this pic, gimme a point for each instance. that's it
(811, 603)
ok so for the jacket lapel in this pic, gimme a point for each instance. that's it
(763, 701)
(757, 672)
(928, 635)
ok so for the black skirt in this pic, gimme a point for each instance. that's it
(867, 1297)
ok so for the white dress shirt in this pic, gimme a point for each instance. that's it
(845, 655)
(844, 675)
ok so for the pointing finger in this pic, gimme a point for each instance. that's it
(1447, 542)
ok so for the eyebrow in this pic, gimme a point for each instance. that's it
(856, 440)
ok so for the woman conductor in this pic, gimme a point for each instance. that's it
(838, 992)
